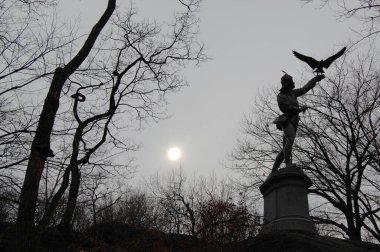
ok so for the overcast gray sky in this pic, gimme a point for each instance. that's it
(250, 42)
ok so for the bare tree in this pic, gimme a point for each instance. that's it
(143, 64)
(30, 43)
(140, 68)
(337, 145)
(137, 209)
(40, 148)
(226, 222)
(342, 146)
(177, 200)
(100, 196)
(366, 11)
(206, 208)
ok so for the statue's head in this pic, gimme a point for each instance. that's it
(287, 82)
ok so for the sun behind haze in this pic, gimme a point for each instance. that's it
(174, 153)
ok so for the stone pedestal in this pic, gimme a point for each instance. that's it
(286, 206)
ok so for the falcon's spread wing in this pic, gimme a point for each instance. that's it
(328, 61)
(313, 63)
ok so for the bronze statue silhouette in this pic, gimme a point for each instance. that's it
(288, 121)
(319, 65)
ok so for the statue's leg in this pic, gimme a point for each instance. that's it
(280, 157)
(295, 133)
(290, 135)
(278, 161)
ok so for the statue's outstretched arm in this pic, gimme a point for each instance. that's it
(310, 85)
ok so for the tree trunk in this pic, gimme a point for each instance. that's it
(355, 234)
(40, 148)
(93, 213)
(48, 214)
(65, 224)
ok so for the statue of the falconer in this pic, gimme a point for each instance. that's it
(288, 121)
(288, 103)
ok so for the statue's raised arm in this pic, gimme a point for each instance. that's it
(309, 85)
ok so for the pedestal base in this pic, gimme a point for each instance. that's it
(286, 205)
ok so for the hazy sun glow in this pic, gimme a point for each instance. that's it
(174, 153)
